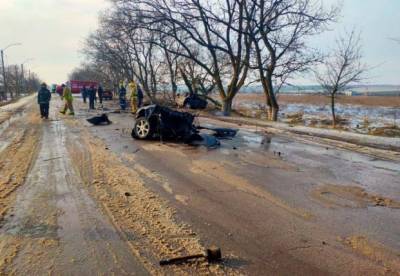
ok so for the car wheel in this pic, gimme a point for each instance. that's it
(142, 129)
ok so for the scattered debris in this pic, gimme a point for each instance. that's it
(54, 158)
(221, 132)
(212, 255)
(99, 120)
(208, 141)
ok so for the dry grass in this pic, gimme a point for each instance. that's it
(387, 131)
(387, 101)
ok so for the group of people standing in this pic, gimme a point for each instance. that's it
(44, 97)
(91, 95)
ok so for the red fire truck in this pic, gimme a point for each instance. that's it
(76, 85)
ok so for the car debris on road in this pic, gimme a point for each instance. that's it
(212, 255)
(99, 120)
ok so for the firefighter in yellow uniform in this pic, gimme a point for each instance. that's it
(134, 96)
(68, 98)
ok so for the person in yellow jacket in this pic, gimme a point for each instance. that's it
(68, 98)
(134, 96)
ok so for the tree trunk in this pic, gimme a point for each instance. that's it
(215, 102)
(271, 100)
(333, 110)
(227, 106)
(174, 90)
(273, 113)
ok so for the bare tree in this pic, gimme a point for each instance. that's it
(342, 68)
(138, 53)
(197, 80)
(211, 33)
(18, 84)
(94, 72)
(279, 31)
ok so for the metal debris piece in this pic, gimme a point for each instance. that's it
(212, 254)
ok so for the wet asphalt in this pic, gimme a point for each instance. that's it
(253, 196)
(60, 229)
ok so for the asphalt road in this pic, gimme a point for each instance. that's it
(275, 203)
(55, 226)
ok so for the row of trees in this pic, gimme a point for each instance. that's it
(209, 45)
(18, 83)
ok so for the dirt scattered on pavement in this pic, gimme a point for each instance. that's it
(146, 220)
(162, 148)
(351, 197)
(15, 161)
(375, 252)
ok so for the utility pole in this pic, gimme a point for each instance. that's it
(17, 83)
(22, 79)
(4, 91)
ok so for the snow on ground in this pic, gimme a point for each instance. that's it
(360, 118)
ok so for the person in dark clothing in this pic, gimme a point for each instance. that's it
(122, 96)
(84, 93)
(139, 97)
(100, 92)
(92, 96)
(44, 97)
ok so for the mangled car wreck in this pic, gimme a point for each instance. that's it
(156, 121)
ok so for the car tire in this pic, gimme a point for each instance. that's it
(142, 129)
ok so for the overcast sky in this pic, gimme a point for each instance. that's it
(52, 32)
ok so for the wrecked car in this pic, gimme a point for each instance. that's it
(194, 101)
(156, 121)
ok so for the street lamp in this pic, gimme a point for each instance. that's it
(23, 82)
(4, 70)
